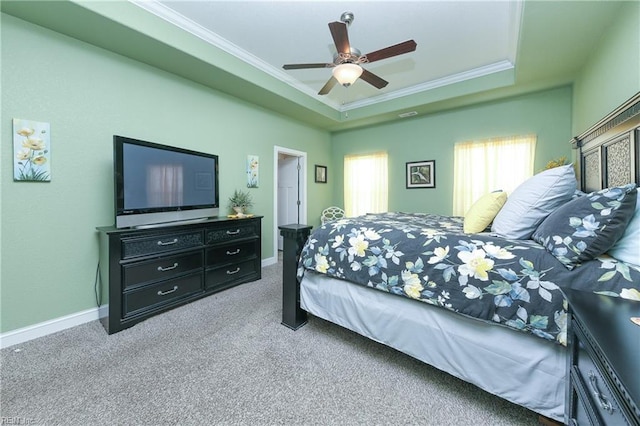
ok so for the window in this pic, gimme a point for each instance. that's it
(365, 184)
(489, 165)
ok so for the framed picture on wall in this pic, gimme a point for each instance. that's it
(421, 174)
(321, 174)
(31, 151)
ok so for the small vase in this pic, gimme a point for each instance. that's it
(239, 211)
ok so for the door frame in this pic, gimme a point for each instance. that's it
(303, 184)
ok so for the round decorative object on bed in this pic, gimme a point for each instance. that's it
(531, 202)
(483, 211)
(587, 226)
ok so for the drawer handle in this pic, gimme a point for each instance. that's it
(168, 268)
(236, 232)
(234, 272)
(602, 400)
(231, 253)
(168, 243)
(164, 293)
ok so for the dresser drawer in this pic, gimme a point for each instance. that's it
(161, 269)
(238, 230)
(583, 412)
(230, 253)
(220, 277)
(161, 294)
(134, 247)
(597, 389)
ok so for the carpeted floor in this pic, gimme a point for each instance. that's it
(226, 359)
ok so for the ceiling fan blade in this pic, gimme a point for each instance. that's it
(304, 66)
(328, 86)
(373, 79)
(340, 36)
(395, 50)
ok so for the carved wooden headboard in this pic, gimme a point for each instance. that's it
(609, 152)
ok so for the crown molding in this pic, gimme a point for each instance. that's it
(160, 10)
(433, 84)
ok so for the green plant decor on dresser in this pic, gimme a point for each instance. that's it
(240, 202)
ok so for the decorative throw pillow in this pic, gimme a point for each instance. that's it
(627, 248)
(482, 212)
(587, 226)
(532, 201)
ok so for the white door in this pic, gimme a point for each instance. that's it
(290, 189)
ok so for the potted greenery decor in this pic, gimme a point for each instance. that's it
(240, 202)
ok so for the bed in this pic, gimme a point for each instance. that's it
(488, 307)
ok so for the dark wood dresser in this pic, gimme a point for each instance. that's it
(604, 360)
(149, 271)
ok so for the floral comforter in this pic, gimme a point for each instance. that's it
(428, 258)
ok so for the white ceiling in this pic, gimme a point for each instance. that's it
(456, 40)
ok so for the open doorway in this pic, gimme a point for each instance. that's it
(290, 189)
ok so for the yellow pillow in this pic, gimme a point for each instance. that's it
(483, 211)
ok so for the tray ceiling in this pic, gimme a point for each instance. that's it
(457, 41)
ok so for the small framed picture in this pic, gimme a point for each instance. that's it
(321, 174)
(421, 174)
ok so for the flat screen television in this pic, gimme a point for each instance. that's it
(158, 185)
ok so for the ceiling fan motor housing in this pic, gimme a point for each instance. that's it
(354, 57)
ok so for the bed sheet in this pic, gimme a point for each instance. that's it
(518, 367)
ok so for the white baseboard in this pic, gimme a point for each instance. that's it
(31, 332)
(269, 261)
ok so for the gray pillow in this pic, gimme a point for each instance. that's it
(531, 202)
(587, 226)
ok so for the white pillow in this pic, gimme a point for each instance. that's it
(532, 201)
(627, 248)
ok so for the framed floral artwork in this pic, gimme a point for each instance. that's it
(421, 174)
(31, 151)
(253, 168)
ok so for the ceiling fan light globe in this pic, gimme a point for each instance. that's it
(347, 74)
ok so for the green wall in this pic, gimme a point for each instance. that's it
(49, 243)
(432, 137)
(612, 73)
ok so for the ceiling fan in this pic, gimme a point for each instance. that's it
(346, 62)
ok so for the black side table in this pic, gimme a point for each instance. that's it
(295, 235)
(604, 355)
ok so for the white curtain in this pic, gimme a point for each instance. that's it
(365, 184)
(165, 185)
(488, 165)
